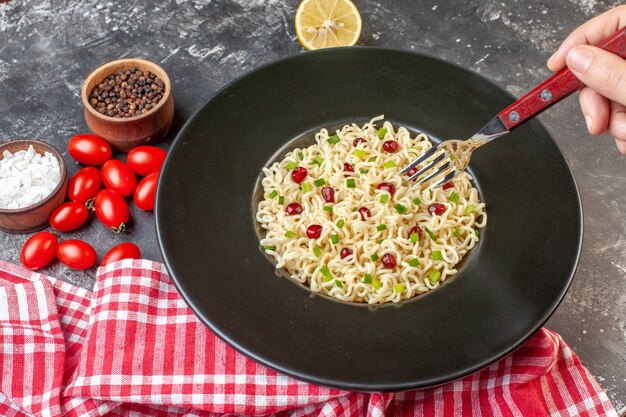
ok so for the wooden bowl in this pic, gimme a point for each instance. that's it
(35, 217)
(127, 133)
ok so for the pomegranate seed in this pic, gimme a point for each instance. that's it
(412, 172)
(329, 194)
(437, 208)
(391, 146)
(389, 261)
(387, 186)
(357, 141)
(447, 185)
(347, 167)
(415, 229)
(293, 209)
(299, 174)
(364, 212)
(314, 231)
(345, 252)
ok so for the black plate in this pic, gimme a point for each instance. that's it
(506, 290)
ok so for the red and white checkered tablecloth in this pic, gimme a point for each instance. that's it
(132, 347)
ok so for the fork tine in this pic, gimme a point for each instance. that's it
(428, 167)
(420, 159)
(445, 179)
(439, 171)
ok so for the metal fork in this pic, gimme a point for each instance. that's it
(449, 158)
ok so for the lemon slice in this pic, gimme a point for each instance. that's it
(327, 23)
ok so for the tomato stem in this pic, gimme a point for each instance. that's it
(120, 228)
(90, 204)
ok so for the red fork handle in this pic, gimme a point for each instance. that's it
(555, 88)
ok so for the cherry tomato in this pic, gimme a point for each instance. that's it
(117, 176)
(146, 191)
(145, 160)
(69, 216)
(84, 185)
(76, 254)
(122, 251)
(111, 210)
(89, 149)
(39, 250)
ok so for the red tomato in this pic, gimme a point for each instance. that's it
(89, 149)
(145, 160)
(39, 250)
(117, 176)
(111, 210)
(76, 254)
(84, 185)
(146, 191)
(69, 216)
(122, 251)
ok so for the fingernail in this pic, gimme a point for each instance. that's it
(589, 121)
(579, 59)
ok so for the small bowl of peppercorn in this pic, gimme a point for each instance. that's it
(128, 102)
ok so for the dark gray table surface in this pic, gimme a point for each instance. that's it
(47, 48)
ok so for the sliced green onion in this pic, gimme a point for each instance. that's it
(306, 187)
(454, 197)
(376, 284)
(382, 132)
(432, 236)
(456, 232)
(319, 182)
(326, 273)
(364, 171)
(437, 256)
(415, 237)
(469, 208)
(372, 159)
(353, 209)
(328, 208)
(398, 287)
(318, 160)
(291, 165)
(375, 257)
(317, 251)
(433, 277)
(367, 279)
(477, 233)
(334, 239)
(340, 223)
(431, 192)
(269, 247)
(381, 227)
(384, 198)
(389, 164)
(301, 156)
(273, 194)
(350, 183)
(417, 201)
(379, 241)
(281, 200)
(338, 283)
(334, 139)
(289, 234)
(360, 153)
(400, 209)
(414, 262)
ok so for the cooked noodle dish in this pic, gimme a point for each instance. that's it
(339, 218)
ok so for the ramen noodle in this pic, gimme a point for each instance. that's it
(339, 218)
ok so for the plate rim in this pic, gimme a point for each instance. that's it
(365, 387)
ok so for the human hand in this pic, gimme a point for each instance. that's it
(603, 100)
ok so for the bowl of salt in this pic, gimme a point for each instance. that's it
(33, 182)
